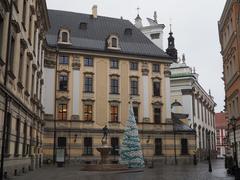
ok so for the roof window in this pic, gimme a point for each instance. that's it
(83, 25)
(128, 32)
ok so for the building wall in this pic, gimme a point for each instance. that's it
(195, 102)
(229, 40)
(221, 142)
(75, 127)
(24, 108)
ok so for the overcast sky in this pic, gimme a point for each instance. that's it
(194, 26)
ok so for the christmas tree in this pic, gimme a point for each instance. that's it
(130, 150)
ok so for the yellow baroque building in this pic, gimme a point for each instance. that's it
(93, 66)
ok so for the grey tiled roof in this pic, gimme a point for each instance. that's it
(94, 38)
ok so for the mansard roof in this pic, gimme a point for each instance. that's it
(93, 38)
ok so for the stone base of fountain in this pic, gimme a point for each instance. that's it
(104, 165)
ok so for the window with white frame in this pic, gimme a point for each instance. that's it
(113, 42)
(64, 36)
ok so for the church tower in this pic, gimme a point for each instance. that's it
(154, 31)
(171, 50)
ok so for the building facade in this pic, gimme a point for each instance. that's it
(229, 30)
(185, 89)
(98, 64)
(197, 103)
(23, 25)
(221, 129)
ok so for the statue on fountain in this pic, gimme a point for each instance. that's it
(105, 134)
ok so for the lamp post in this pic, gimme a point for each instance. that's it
(209, 154)
(233, 122)
(174, 118)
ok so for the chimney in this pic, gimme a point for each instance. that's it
(94, 11)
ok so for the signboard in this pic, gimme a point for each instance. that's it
(60, 155)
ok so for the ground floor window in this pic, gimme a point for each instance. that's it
(115, 146)
(62, 142)
(184, 146)
(87, 146)
(158, 146)
(8, 134)
(218, 151)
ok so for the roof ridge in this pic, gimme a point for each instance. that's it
(73, 12)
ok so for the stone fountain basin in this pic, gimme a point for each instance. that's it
(104, 149)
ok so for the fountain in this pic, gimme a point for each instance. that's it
(104, 164)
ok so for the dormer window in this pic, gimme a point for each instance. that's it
(113, 42)
(83, 26)
(128, 32)
(64, 36)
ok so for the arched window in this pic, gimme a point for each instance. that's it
(64, 37)
(114, 42)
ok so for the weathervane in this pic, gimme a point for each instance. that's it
(170, 24)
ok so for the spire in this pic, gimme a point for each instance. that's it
(171, 50)
(155, 16)
(138, 20)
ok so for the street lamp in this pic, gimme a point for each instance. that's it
(233, 122)
(209, 153)
(174, 118)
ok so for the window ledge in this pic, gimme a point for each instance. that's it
(156, 96)
(114, 48)
(88, 92)
(62, 91)
(64, 43)
(134, 94)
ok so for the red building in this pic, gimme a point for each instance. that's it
(221, 128)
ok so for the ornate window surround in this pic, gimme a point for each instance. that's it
(110, 42)
(60, 36)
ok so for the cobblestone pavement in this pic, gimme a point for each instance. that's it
(180, 172)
